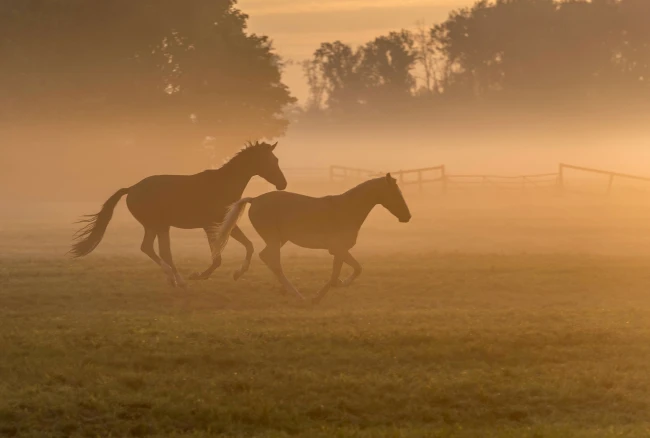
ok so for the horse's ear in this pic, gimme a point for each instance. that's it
(274, 145)
(388, 177)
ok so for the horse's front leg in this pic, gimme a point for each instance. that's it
(239, 236)
(333, 281)
(348, 259)
(216, 259)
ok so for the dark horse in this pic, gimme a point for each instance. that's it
(330, 223)
(186, 201)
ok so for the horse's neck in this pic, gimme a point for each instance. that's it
(359, 202)
(232, 177)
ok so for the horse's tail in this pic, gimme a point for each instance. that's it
(91, 234)
(220, 233)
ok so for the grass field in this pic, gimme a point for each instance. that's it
(514, 330)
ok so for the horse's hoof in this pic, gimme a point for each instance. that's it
(182, 284)
(197, 276)
(338, 283)
(237, 275)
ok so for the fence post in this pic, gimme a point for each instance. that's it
(420, 180)
(331, 173)
(611, 181)
(443, 178)
(560, 178)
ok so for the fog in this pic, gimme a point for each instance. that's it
(479, 218)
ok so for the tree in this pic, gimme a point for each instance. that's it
(385, 68)
(163, 74)
(545, 49)
(430, 61)
(633, 51)
(334, 76)
(345, 80)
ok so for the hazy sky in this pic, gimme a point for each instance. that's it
(297, 27)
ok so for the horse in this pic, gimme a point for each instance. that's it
(201, 200)
(331, 223)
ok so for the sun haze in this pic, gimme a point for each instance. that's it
(446, 234)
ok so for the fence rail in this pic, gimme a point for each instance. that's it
(563, 167)
(422, 175)
(343, 172)
(505, 181)
(439, 174)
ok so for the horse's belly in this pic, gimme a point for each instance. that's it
(188, 224)
(175, 214)
(310, 241)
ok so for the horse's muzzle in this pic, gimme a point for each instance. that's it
(405, 220)
(281, 186)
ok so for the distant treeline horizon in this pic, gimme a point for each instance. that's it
(537, 55)
(177, 85)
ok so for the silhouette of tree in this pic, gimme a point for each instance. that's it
(157, 69)
(345, 80)
(385, 68)
(545, 49)
(429, 59)
(334, 76)
(526, 53)
(633, 50)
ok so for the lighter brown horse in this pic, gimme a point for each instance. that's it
(186, 201)
(330, 223)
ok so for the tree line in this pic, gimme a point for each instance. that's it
(501, 53)
(120, 76)
(87, 85)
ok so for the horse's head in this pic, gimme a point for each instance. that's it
(393, 200)
(265, 164)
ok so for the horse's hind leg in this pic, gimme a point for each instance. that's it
(216, 259)
(147, 248)
(271, 257)
(147, 245)
(333, 281)
(164, 247)
(239, 236)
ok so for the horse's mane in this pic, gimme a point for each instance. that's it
(249, 147)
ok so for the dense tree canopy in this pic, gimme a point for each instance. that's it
(161, 74)
(533, 52)
(573, 49)
(375, 74)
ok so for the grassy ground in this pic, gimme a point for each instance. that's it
(499, 316)
(424, 344)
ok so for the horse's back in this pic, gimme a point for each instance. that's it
(281, 203)
(160, 188)
(176, 200)
(301, 219)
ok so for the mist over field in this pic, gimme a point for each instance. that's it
(509, 300)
